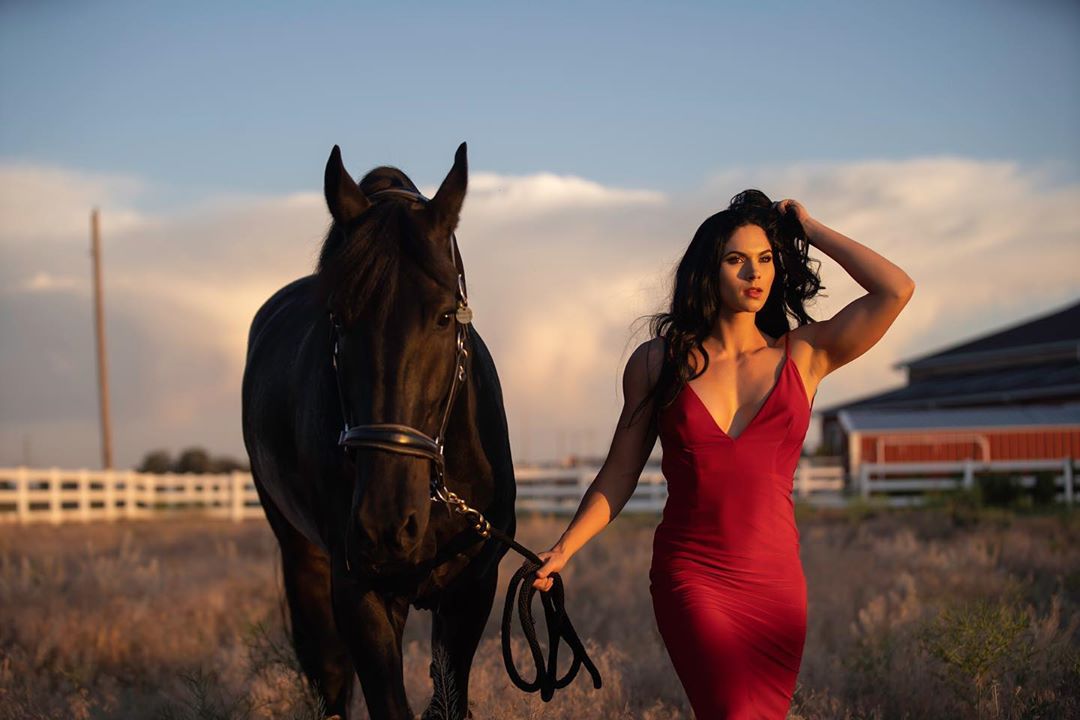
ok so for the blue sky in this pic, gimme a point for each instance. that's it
(205, 98)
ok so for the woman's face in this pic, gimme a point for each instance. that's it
(746, 263)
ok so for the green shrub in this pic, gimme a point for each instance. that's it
(1045, 487)
(1001, 659)
(999, 489)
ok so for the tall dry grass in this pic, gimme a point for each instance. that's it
(912, 614)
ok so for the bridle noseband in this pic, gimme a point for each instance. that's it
(405, 439)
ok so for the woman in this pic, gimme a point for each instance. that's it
(728, 388)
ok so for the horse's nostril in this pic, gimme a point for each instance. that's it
(406, 535)
(410, 529)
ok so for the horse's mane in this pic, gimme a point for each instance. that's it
(359, 266)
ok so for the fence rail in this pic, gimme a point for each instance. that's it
(57, 495)
(906, 483)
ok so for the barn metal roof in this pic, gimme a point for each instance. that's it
(1033, 383)
(1054, 333)
(1020, 416)
(1017, 375)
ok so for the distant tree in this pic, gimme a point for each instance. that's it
(225, 464)
(193, 460)
(156, 461)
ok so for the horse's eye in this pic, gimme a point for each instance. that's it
(445, 318)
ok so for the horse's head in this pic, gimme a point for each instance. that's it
(386, 273)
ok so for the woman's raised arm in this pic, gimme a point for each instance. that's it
(861, 323)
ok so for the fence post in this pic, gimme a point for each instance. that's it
(802, 480)
(191, 498)
(237, 496)
(864, 481)
(22, 494)
(129, 494)
(1068, 477)
(84, 494)
(55, 505)
(969, 473)
(109, 486)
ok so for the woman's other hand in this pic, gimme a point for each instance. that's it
(554, 560)
(788, 206)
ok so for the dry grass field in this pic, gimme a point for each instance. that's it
(923, 614)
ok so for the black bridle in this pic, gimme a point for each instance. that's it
(404, 439)
(407, 440)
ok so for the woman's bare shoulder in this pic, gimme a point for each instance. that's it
(646, 361)
(803, 354)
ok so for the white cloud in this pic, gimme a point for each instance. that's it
(558, 269)
(51, 203)
(47, 282)
(506, 196)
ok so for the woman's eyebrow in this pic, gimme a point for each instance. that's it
(739, 252)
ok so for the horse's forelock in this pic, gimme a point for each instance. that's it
(364, 266)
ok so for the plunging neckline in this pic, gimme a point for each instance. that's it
(772, 391)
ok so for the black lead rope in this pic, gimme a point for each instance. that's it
(558, 624)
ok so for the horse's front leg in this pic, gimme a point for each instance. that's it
(457, 625)
(372, 626)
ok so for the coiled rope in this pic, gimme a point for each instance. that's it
(558, 625)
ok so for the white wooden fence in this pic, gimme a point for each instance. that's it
(907, 483)
(56, 495)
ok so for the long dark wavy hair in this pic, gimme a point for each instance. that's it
(696, 300)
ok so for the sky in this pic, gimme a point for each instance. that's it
(942, 135)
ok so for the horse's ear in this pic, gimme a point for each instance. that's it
(445, 208)
(343, 195)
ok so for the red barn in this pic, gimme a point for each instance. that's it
(1010, 395)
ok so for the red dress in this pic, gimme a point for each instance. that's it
(726, 580)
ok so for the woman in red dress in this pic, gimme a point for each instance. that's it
(728, 388)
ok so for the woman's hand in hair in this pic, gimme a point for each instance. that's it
(788, 206)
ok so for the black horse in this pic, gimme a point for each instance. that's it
(373, 338)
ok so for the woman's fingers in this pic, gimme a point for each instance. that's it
(539, 583)
(788, 205)
(552, 563)
(543, 583)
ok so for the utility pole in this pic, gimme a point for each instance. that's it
(99, 334)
